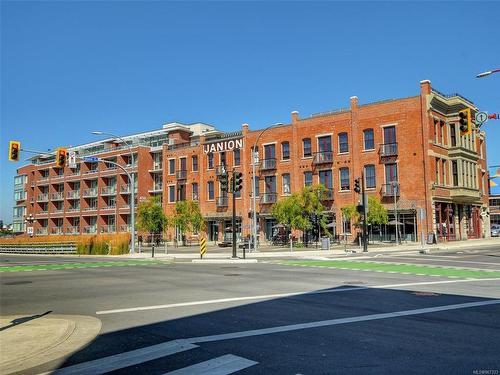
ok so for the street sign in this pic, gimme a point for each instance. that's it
(72, 159)
(29, 230)
(481, 118)
(90, 159)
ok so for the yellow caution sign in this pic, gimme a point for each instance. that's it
(203, 247)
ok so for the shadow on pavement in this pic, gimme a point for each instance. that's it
(25, 319)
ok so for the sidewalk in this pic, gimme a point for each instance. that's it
(266, 251)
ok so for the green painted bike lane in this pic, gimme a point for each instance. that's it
(404, 268)
(68, 266)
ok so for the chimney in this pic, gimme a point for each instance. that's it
(244, 129)
(354, 103)
(295, 116)
(425, 87)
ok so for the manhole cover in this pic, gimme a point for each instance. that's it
(426, 294)
(232, 274)
(19, 282)
(353, 282)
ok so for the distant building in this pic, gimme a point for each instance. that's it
(411, 152)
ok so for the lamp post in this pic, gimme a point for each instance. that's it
(255, 156)
(487, 73)
(395, 187)
(132, 187)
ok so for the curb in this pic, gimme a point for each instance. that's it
(223, 261)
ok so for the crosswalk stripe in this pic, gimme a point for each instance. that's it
(224, 365)
(122, 360)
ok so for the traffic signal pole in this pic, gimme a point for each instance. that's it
(233, 190)
(365, 212)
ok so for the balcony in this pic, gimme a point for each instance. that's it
(57, 177)
(58, 211)
(74, 194)
(323, 157)
(91, 208)
(464, 194)
(222, 201)
(268, 198)
(108, 229)
(73, 209)
(74, 174)
(108, 190)
(268, 164)
(181, 175)
(125, 189)
(388, 150)
(90, 193)
(91, 229)
(42, 197)
(110, 169)
(390, 190)
(220, 170)
(156, 189)
(124, 207)
(328, 195)
(73, 230)
(56, 230)
(125, 228)
(43, 180)
(111, 207)
(42, 231)
(57, 196)
(157, 167)
(42, 213)
(90, 171)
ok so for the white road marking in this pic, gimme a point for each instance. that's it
(133, 357)
(442, 259)
(281, 295)
(224, 365)
(142, 355)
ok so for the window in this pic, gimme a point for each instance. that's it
(390, 134)
(236, 157)
(194, 189)
(269, 152)
(436, 180)
(453, 135)
(171, 166)
(210, 188)
(325, 178)
(194, 160)
(454, 168)
(369, 139)
(183, 164)
(307, 147)
(343, 143)
(370, 180)
(222, 158)
(344, 179)
(210, 161)
(325, 144)
(19, 195)
(285, 150)
(286, 184)
(270, 184)
(308, 178)
(171, 193)
(391, 173)
(443, 181)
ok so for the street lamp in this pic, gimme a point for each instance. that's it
(487, 73)
(132, 186)
(255, 157)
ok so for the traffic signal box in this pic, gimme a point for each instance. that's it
(224, 182)
(61, 156)
(357, 186)
(237, 181)
(465, 121)
(14, 150)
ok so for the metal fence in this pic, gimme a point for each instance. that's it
(39, 248)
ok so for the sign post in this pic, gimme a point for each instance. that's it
(203, 247)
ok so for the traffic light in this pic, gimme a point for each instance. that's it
(224, 182)
(465, 121)
(61, 157)
(14, 150)
(357, 185)
(237, 181)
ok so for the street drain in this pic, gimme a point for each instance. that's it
(232, 274)
(426, 294)
(19, 282)
(353, 282)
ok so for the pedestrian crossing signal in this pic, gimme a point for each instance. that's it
(14, 150)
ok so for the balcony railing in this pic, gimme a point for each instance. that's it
(42, 197)
(108, 229)
(72, 230)
(125, 189)
(181, 174)
(157, 167)
(156, 188)
(92, 229)
(91, 208)
(268, 164)
(90, 171)
(268, 198)
(220, 170)
(222, 201)
(42, 213)
(124, 207)
(323, 157)
(57, 196)
(73, 209)
(74, 194)
(43, 179)
(389, 149)
(111, 207)
(389, 190)
(42, 231)
(124, 228)
(58, 211)
(58, 176)
(108, 190)
(328, 195)
(90, 193)
(74, 174)
(56, 230)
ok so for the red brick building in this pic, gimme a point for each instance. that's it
(410, 150)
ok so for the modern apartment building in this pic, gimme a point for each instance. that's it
(432, 179)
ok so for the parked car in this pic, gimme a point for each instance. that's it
(495, 230)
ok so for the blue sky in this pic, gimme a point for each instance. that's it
(68, 68)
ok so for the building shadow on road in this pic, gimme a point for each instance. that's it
(346, 329)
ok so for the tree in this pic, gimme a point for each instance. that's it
(351, 213)
(377, 213)
(150, 217)
(187, 217)
(298, 210)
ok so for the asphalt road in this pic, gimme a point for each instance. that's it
(273, 317)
